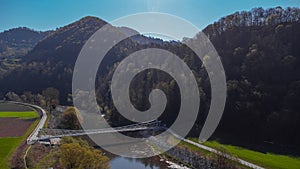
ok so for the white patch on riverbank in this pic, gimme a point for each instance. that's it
(176, 166)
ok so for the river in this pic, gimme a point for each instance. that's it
(130, 163)
(118, 162)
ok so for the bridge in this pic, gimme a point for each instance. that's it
(46, 133)
(40, 133)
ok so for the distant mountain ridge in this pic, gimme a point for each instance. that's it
(254, 17)
(65, 41)
(17, 42)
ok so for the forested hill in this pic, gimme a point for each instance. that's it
(261, 56)
(50, 62)
(259, 50)
(255, 18)
(65, 43)
(15, 43)
(18, 41)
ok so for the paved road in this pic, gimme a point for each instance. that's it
(33, 137)
(243, 162)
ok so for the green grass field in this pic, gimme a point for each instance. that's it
(7, 147)
(24, 114)
(267, 160)
(9, 144)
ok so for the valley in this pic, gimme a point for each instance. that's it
(260, 53)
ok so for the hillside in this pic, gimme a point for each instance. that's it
(15, 43)
(262, 70)
(18, 41)
(260, 53)
(65, 43)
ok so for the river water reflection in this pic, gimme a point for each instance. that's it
(131, 163)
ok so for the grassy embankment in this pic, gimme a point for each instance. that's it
(266, 160)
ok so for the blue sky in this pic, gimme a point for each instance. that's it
(50, 14)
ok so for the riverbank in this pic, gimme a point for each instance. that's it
(191, 156)
(268, 160)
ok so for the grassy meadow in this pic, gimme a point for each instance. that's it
(9, 144)
(23, 115)
(7, 147)
(267, 160)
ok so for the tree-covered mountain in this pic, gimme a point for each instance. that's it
(259, 50)
(17, 42)
(50, 62)
(263, 77)
(65, 43)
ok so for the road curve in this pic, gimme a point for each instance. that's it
(33, 137)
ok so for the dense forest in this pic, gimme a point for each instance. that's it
(259, 50)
